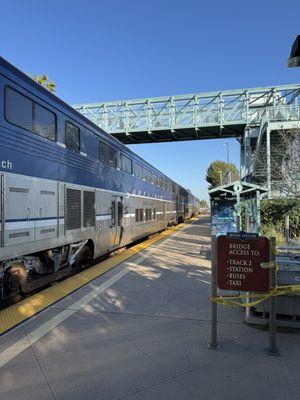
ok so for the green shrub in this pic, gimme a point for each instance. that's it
(273, 231)
(273, 214)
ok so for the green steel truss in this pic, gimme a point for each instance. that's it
(193, 116)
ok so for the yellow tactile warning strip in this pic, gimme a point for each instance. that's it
(17, 313)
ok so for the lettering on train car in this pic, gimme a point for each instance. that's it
(6, 164)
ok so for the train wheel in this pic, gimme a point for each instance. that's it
(14, 283)
(11, 282)
(86, 254)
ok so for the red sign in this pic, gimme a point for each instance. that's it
(239, 264)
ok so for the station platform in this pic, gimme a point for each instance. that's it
(139, 331)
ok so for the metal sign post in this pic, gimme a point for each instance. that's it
(243, 262)
(272, 350)
(238, 188)
(213, 344)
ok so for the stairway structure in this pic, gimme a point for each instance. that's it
(275, 151)
(251, 115)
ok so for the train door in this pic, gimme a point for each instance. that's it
(117, 218)
(186, 206)
(19, 210)
(46, 210)
(165, 213)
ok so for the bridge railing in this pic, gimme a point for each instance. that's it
(283, 113)
(188, 111)
(168, 114)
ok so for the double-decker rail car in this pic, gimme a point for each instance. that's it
(70, 192)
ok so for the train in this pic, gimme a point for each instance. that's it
(70, 192)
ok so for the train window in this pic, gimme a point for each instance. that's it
(72, 136)
(126, 164)
(23, 112)
(18, 109)
(137, 215)
(147, 175)
(113, 213)
(141, 215)
(155, 179)
(103, 152)
(160, 182)
(107, 154)
(44, 122)
(138, 170)
(167, 185)
(112, 159)
(148, 214)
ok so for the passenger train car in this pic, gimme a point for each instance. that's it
(69, 191)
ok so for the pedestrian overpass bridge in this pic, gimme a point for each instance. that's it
(193, 116)
(250, 115)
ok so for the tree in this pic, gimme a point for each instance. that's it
(203, 204)
(218, 172)
(44, 81)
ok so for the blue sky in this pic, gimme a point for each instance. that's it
(98, 50)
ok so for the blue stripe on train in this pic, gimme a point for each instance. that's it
(105, 178)
(31, 219)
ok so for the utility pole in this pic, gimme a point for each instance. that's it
(221, 178)
(227, 151)
(228, 178)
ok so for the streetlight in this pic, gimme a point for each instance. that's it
(228, 173)
(227, 150)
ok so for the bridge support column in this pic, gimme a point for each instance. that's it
(245, 155)
(268, 149)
